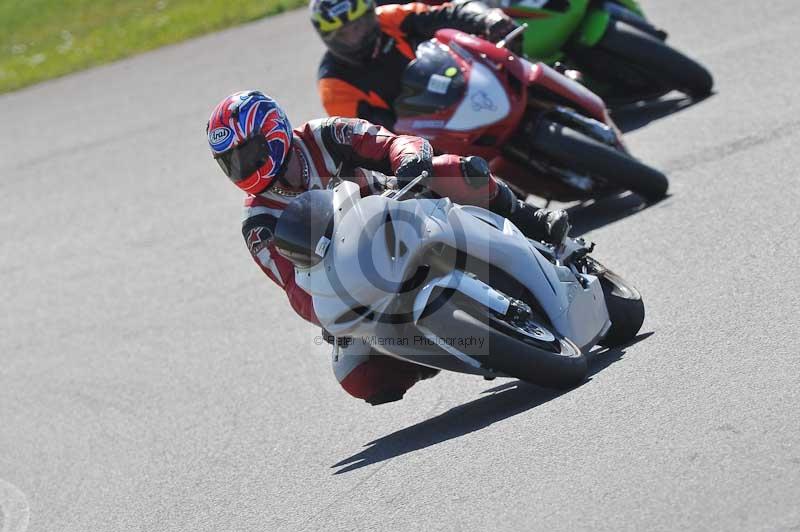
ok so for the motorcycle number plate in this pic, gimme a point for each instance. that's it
(322, 246)
(439, 84)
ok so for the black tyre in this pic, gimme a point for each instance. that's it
(656, 59)
(625, 309)
(570, 149)
(530, 352)
(624, 13)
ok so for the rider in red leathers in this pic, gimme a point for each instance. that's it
(254, 144)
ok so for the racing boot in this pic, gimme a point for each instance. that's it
(541, 224)
(538, 224)
(550, 226)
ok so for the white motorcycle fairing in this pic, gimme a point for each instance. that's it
(485, 103)
(376, 244)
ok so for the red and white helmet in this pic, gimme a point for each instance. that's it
(249, 136)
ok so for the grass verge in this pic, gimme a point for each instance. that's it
(43, 39)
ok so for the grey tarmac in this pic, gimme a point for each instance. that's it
(152, 378)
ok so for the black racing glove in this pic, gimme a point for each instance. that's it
(413, 165)
(475, 171)
(498, 25)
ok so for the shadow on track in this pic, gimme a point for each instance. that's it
(597, 213)
(592, 214)
(637, 115)
(504, 401)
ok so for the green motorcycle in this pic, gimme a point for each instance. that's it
(609, 45)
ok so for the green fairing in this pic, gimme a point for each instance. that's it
(548, 31)
(594, 27)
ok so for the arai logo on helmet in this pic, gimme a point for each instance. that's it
(220, 136)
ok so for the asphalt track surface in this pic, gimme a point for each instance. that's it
(152, 379)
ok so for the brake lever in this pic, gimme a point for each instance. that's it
(512, 35)
(414, 182)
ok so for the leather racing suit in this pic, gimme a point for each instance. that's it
(368, 90)
(342, 146)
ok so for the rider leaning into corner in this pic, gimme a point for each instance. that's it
(254, 144)
(368, 48)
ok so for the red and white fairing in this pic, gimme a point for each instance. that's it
(484, 93)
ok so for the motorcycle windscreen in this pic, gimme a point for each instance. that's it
(304, 230)
(432, 82)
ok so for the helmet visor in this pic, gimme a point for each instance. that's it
(243, 160)
(355, 39)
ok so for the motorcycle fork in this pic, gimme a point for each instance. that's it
(630, 12)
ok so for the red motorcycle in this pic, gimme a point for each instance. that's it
(469, 96)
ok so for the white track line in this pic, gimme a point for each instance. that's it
(14, 508)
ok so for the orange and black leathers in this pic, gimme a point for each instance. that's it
(368, 90)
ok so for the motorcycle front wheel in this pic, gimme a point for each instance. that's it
(577, 152)
(656, 60)
(528, 350)
(624, 304)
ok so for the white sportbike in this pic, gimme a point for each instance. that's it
(453, 287)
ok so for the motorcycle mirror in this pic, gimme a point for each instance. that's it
(513, 34)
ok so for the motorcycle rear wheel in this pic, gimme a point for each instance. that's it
(573, 150)
(538, 355)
